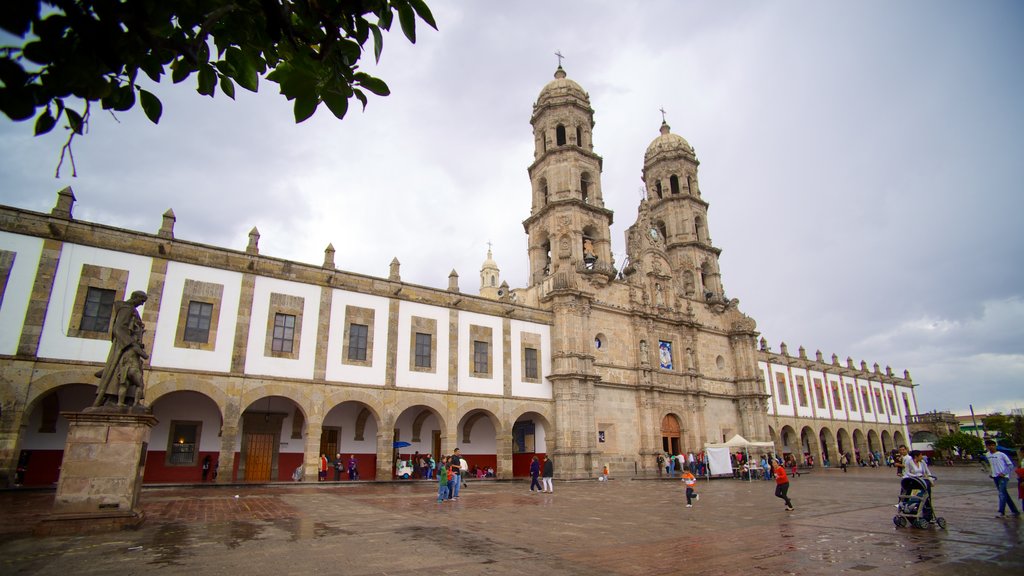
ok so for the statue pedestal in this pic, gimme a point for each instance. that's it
(101, 475)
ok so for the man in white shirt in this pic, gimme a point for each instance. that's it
(1000, 468)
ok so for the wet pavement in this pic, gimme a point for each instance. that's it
(842, 524)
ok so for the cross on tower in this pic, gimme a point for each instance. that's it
(662, 109)
(488, 245)
(559, 54)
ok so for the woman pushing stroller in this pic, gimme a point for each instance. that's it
(917, 468)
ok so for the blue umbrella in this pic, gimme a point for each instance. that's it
(400, 444)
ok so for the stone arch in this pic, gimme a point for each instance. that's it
(860, 444)
(844, 444)
(184, 414)
(809, 445)
(789, 440)
(827, 441)
(160, 388)
(42, 434)
(44, 385)
(525, 440)
(874, 444)
(480, 451)
(898, 439)
(671, 433)
(887, 446)
(271, 444)
(252, 396)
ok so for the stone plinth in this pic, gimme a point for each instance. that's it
(101, 475)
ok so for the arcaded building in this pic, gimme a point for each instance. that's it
(263, 364)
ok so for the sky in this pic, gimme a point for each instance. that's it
(862, 162)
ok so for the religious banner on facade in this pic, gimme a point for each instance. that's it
(665, 354)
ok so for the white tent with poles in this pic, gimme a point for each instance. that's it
(717, 453)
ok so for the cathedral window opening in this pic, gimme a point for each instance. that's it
(720, 362)
(579, 137)
(689, 185)
(665, 354)
(99, 305)
(560, 135)
(851, 397)
(546, 247)
(197, 324)
(780, 384)
(865, 404)
(589, 258)
(544, 191)
(479, 357)
(673, 183)
(284, 333)
(585, 187)
(819, 394)
(494, 281)
(892, 403)
(357, 334)
(530, 360)
(657, 189)
(183, 443)
(662, 229)
(423, 350)
(698, 228)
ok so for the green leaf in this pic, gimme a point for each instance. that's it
(227, 87)
(245, 70)
(337, 104)
(378, 42)
(125, 98)
(375, 85)
(45, 122)
(74, 120)
(304, 108)
(17, 104)
(408, 20)
(207, 81)
(180, 69)
(152, 67)
(424, 12)
(362, 97)
(151, 104)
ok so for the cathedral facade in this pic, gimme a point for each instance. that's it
(260, 365)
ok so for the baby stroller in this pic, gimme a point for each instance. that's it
(915, 506)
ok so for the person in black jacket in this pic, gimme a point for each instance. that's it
(548, 476)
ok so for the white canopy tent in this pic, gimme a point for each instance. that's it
(718, 453)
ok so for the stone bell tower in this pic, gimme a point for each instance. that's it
(569, 226)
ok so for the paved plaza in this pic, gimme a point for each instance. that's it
(842, 524)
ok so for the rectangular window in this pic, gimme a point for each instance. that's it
(197, 325)
(801, 390)
(99, 304)
(819, 393)
(851, 397)
(665, 354)
(479, 357)
(357, 341)
(422, 350)
(879, 405)
(837, 398)
(780, 382)
(183, 443)
(865, 403)
(284, 333)
(892, 403)
(906, 404)
(531, 363)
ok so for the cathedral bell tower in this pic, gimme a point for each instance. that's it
(679, 216)
(569, 228)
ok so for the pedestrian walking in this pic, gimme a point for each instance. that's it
(534, 474)
(548, 475)
(338, 467)
(206, 467)
(844, 461)
(661, 464)
(455, 466)
(900, 462)
(1000, 468)
(353, 467)
(322, 471)
(782, 486)
(690, 481)
(442, 482)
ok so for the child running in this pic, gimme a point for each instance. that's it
(782, 486)
(691, 488)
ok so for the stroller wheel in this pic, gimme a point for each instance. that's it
(896, 521)
(941, 522)
(903, 522)
(920, 523)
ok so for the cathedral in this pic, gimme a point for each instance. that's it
(260, 366)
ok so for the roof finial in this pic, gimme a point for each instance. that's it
(559, 54)
(662, 110)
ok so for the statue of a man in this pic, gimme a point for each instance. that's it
(121, 377)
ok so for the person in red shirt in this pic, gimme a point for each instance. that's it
(782, 486)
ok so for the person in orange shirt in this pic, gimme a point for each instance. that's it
(782, 486)
(691, 488)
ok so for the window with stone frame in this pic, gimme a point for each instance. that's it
(851, 397)
(199, 315)
(865, 403)
(530, 347)
(879, 405)
(423, 357)
(483, 342)
(98, 288)
(358, 339)
(183, 443)
(819, 394)
(906, 403)
(780, 384)
(6, 265)
(284, 326)
(801, 390)
(892, 402)
(837, 397)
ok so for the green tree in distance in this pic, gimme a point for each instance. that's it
(74, 51)
(961, 443)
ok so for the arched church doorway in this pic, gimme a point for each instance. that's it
(670, 434)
